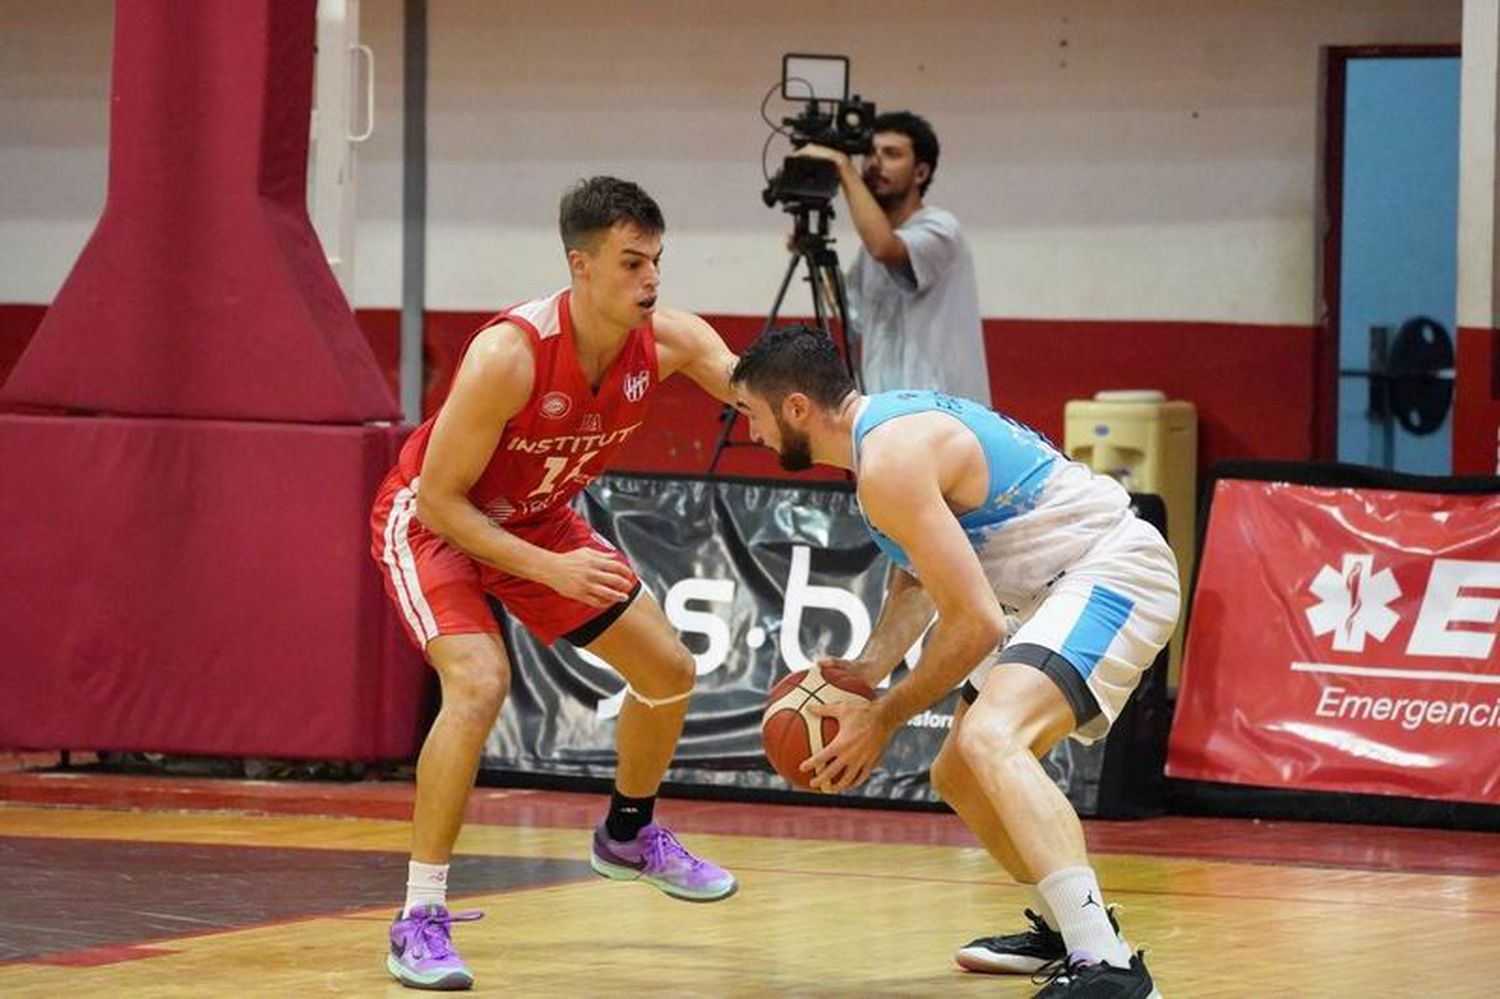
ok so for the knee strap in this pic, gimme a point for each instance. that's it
(656, 702)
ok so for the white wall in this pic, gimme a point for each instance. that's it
(54, 127)
(1151, 160)
(1476, 170)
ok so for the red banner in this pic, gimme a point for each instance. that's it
(1345, 640)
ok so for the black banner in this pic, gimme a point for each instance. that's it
(759, 579)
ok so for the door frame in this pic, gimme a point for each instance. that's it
(1334, 79)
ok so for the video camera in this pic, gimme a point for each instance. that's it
(830, 118)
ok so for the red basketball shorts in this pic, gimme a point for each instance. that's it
(439, 590)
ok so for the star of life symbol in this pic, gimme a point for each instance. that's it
(1353, 603)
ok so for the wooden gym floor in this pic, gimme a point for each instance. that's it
(133, 887)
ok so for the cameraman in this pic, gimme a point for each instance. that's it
(913, 297)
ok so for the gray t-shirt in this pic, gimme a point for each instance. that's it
(918, 326)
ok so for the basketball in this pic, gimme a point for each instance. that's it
(790, 734)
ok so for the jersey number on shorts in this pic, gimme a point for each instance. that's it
(554, 468)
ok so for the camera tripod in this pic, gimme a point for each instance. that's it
(811, 245)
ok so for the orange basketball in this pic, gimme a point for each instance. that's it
(790, 734)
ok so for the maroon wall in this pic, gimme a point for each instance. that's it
(1253, 385)
(17, 324)
(1476, 404)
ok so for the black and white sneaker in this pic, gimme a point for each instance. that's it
(1023, 953)
(1097, 980)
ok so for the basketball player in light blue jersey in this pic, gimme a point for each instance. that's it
(979, 514)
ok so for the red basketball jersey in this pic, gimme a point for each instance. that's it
(566, 433)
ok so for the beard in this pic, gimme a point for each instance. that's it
(891, 197)
(796, 449)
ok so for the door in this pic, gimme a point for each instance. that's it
(1398, 249)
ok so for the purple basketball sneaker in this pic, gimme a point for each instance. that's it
(422, 954)
(656, 858)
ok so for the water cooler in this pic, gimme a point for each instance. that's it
(1149, 443)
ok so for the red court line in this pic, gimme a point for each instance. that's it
(1114, 890)
(94, 957)
(97, 956)
(152, 945)
(1378, 848)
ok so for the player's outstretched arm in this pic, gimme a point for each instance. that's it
(688, 344)
(493, 383)
(900, 493)
(907, 504)
(904, 615)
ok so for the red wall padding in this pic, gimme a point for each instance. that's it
(199, 587)
(203, 291)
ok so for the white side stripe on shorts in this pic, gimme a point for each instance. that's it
(402, 566)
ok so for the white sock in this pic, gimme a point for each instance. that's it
(1074, 897)
(426, 884)
(1039, 905)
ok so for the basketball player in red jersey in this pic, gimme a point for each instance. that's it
(479, 503)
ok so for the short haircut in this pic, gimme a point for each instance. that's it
(924, 142)
(592, 207)
(794, 359)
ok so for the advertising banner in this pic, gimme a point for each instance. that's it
(1344, 639)
(759, 579)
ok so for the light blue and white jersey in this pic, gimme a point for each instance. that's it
(1041, 512)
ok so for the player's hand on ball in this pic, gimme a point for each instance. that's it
(846, 762)
(868, 672)
(591, 576)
